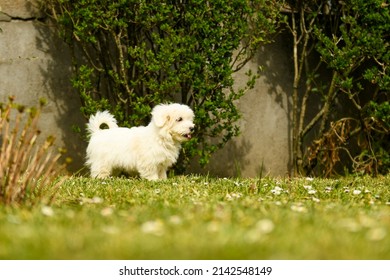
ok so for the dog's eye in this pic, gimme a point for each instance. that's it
(179, 119)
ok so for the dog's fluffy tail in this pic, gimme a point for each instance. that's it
(100, 118)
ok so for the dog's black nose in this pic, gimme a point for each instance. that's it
(192, 128)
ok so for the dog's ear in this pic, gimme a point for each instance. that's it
(160, 115)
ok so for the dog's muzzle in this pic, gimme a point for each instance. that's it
(189, 135)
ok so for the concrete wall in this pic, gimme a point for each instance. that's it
(263, 146)
(35, 63)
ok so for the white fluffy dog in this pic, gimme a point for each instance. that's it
(149, 150)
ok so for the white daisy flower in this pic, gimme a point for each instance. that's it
(357, 192)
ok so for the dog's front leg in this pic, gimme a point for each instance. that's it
(162, 173)
(150, 174)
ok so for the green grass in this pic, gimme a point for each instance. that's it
(204, 218)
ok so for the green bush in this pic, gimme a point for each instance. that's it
(358, 52)
(137, 54)
(350, 131)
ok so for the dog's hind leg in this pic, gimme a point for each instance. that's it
(100, 172)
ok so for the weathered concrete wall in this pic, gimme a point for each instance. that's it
(20, 9)
(34, 63)
(264, 143)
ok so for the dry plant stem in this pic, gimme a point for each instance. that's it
(4, 129)
(3, 155)
(295, 93)
(24, 145)
(301, 37)
(298, 68)
(19, 149)
(9, 154)
(36, 166)
(27, 169)
(122, 69)
(331, 95)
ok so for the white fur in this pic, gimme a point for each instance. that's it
(149, 150)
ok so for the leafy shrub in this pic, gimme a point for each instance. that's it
(28, 169)
(351, 127)
(141, 53)
(358, 53)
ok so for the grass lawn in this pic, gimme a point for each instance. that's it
(204, 218)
